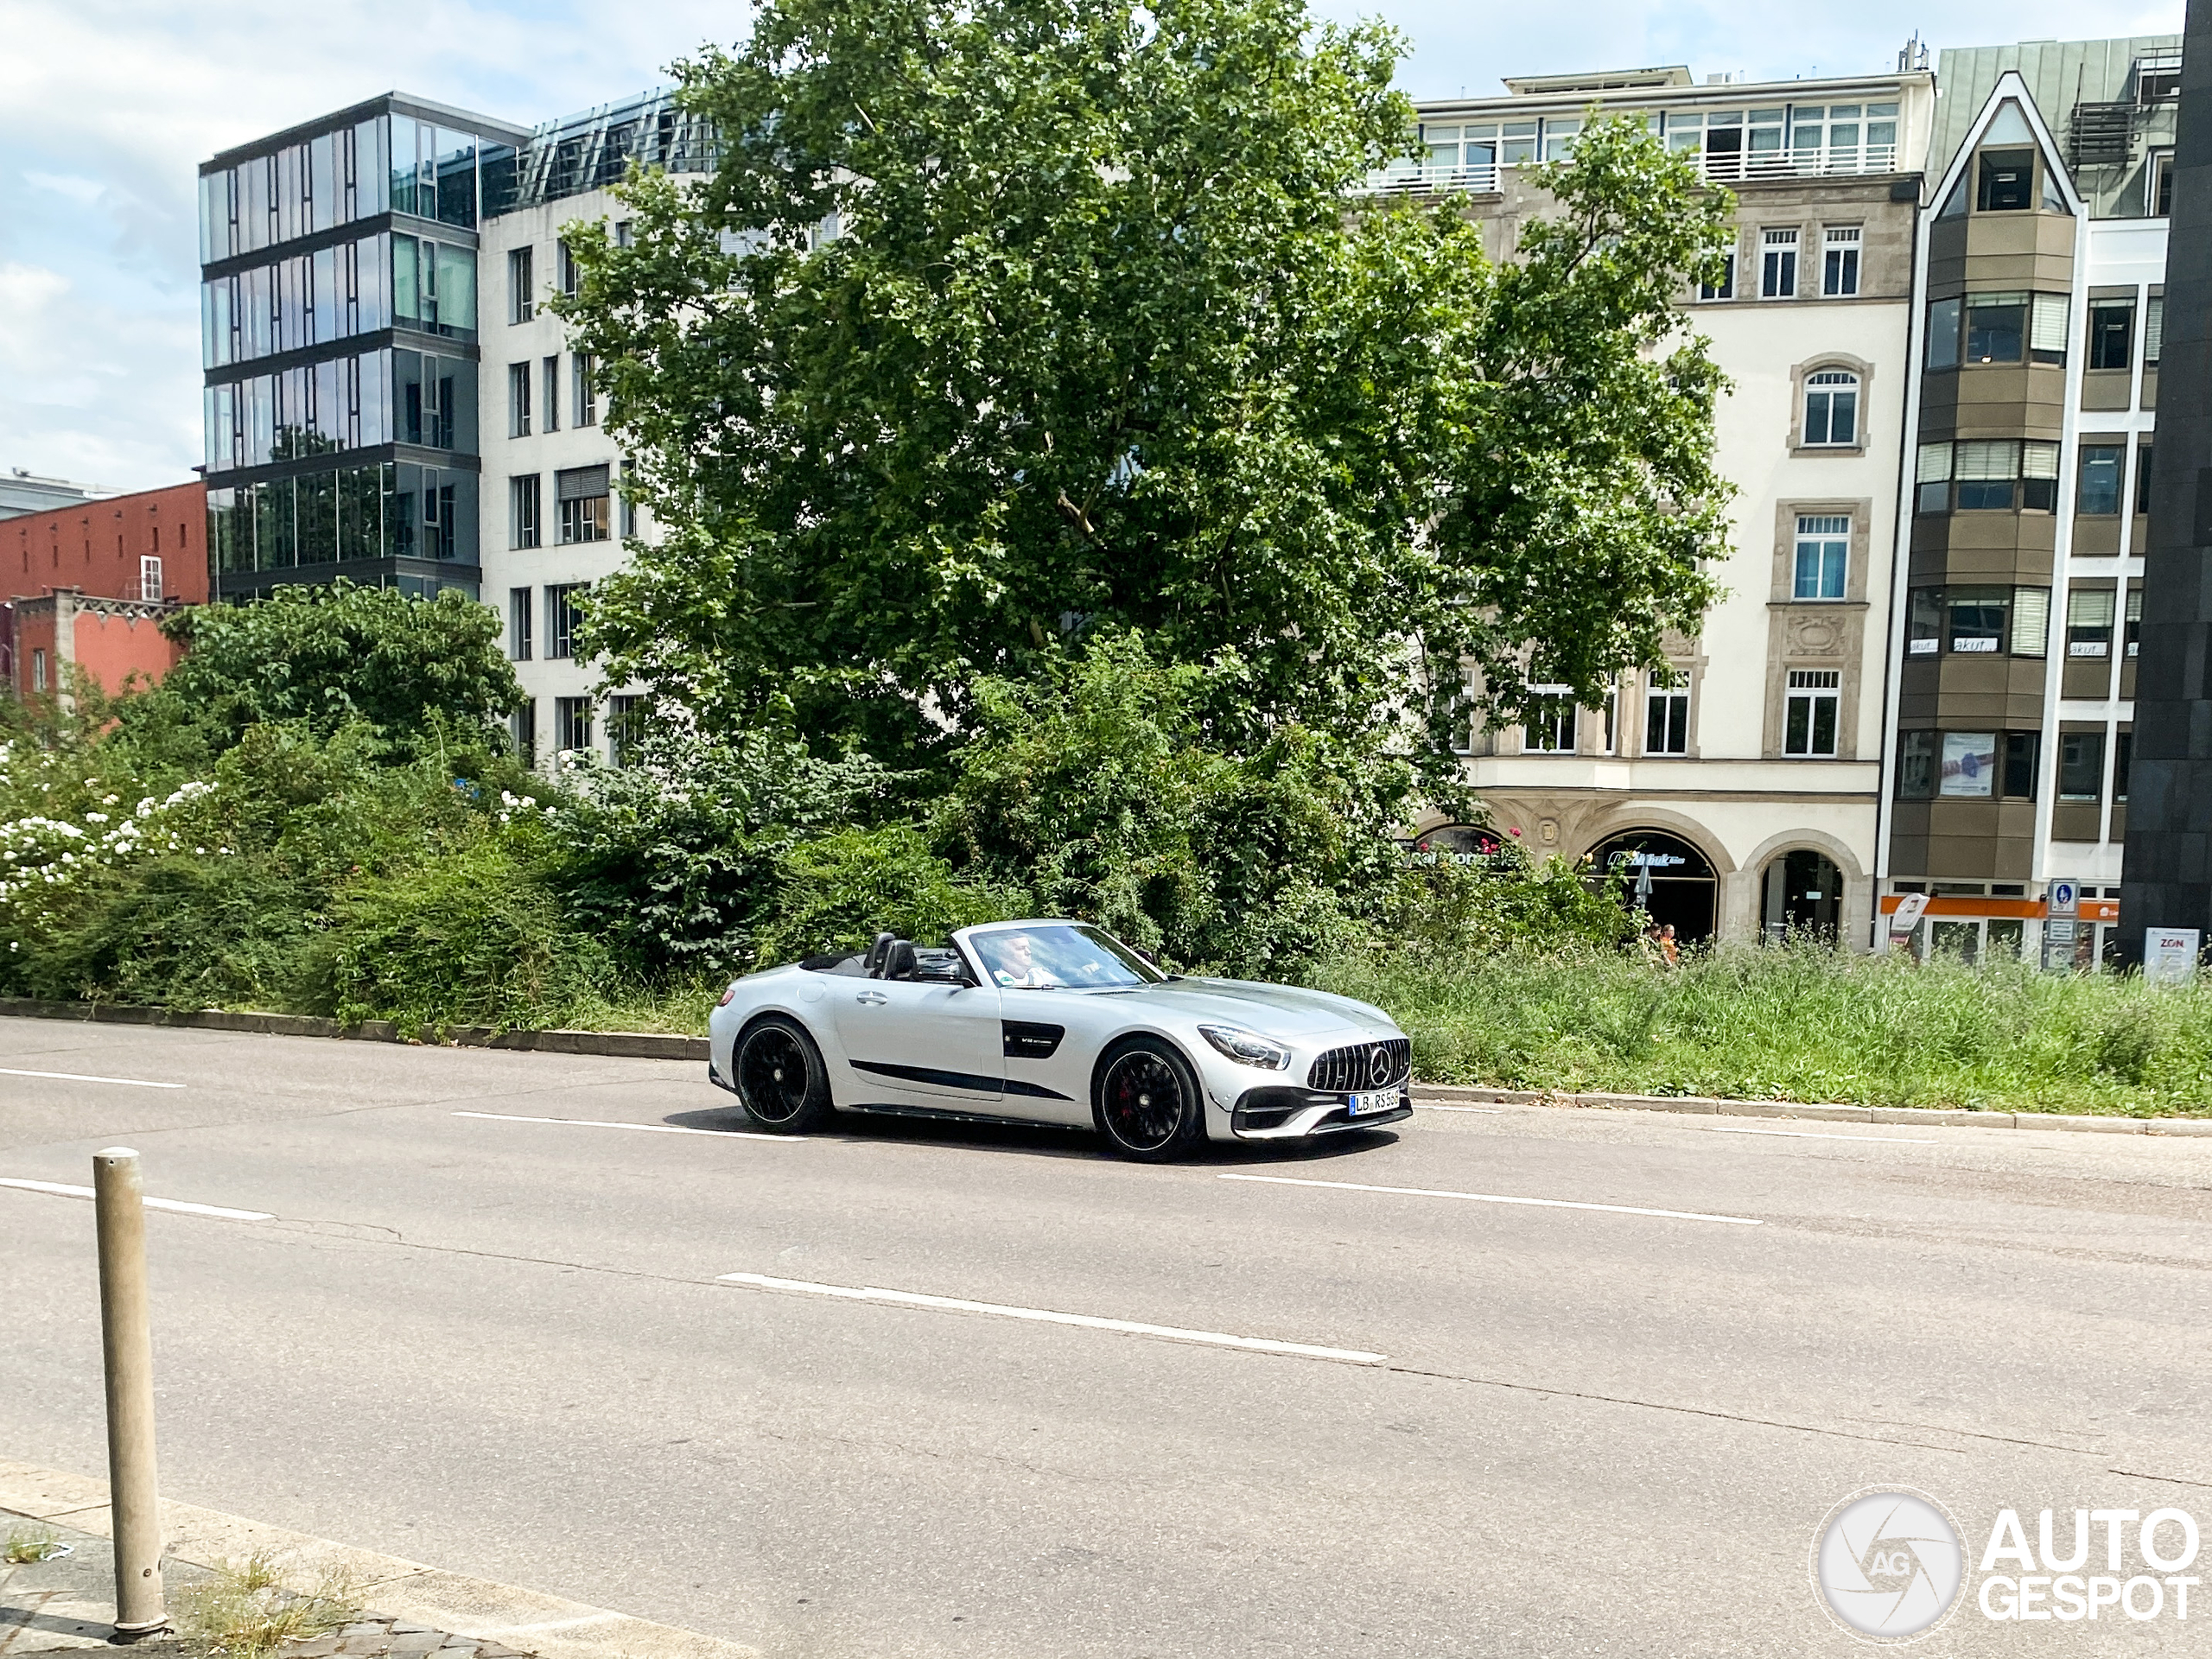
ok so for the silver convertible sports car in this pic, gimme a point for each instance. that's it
(1054, 1023)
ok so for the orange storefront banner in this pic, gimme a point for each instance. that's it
(2027, 910)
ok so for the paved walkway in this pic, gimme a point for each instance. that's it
(67, 1604)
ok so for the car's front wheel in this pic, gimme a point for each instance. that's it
(780, 1080)
(1146, 1102)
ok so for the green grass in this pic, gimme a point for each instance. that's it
(1800, 1023)
(243, 1611)
(26, 1545)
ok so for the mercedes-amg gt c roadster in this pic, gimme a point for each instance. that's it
(1054, 1023)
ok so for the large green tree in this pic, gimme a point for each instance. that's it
(1005, 322)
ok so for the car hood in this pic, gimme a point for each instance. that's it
(1281, 1011)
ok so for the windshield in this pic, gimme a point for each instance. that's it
(1062, 955)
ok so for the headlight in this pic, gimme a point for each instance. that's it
(1247, 1047)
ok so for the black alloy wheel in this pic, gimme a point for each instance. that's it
(780, 1077)
(1146, 1102)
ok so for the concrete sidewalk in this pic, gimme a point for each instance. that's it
(68, 1604)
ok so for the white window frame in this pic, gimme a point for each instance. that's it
(1821, 532)
(1671, 703)
(1809, 688)
(1778, 264)
(1842, 245)
(1836, 390)
(1557, 722)
(149, 577)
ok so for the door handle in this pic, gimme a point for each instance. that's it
(873, 997)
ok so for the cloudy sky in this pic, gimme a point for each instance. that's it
(106, 106)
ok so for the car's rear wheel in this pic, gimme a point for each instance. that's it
(780, 1080)
(1146, 1102)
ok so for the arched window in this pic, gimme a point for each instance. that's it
(1832, 408)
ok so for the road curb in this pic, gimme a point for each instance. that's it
(619, 1045)
(660, 1045)
(550, 1627)
(1452, 1094)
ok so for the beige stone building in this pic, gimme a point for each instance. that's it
(1743, 797)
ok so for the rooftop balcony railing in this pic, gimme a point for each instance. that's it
(1725, 167)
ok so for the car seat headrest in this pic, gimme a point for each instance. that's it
(900, 962)
(876, 952)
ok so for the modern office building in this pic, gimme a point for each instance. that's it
(370, 280)
(1742, 790)
(2039, 322)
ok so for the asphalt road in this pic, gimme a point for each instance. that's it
(505, 1347)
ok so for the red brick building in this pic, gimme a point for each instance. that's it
(86, 586)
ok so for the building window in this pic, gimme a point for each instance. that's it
(149, 578)
(522, 499)
(1969, 769)
(1915, 765)
(2081, 765)
(518, 400)
(1977, 621)
(553, 392)
(2134, 618)
(1777, 264)
(1988, 474)
(2112, 333)
(562, 613)
(521, 289)
(2162, 184)
(2022, 750)
(1832, 408)
(2098, 493)
(2090, 613)
(2123, 752)
(624, 715)
(522, 725)
(1943, 333)
(586, 397)
(1823, 554)
(1550, 729)
(572, 723)
(1996, 327)
(2154, 330)
(1809, 728)
(518, 625)
(38, 669)
(629, 501)
(2143, 478)
(565, 267)
(2005, 180)
(2047, 327)
(621, 232)
(1726, 288)
(584, 504)
(1840, 261)
(1666, 720)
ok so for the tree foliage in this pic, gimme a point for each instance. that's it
(1004, 324)
(341, 654)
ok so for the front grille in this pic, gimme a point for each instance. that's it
(1362, 1065)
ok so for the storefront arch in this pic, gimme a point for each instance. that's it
(1666, 877)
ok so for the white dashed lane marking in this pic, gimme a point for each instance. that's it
(1047, 1316)
(59, 1190)
(1818, 1134)
(79, 1076)
(1498, 1198)
(642, 1128)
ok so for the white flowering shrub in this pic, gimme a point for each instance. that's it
(44, 860)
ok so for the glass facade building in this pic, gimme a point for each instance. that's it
(339, 319)
(338, 334)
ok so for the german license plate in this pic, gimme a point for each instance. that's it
(1383, 1100)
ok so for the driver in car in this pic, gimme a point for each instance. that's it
(1012, 966)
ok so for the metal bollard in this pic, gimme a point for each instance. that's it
(127, 1341)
